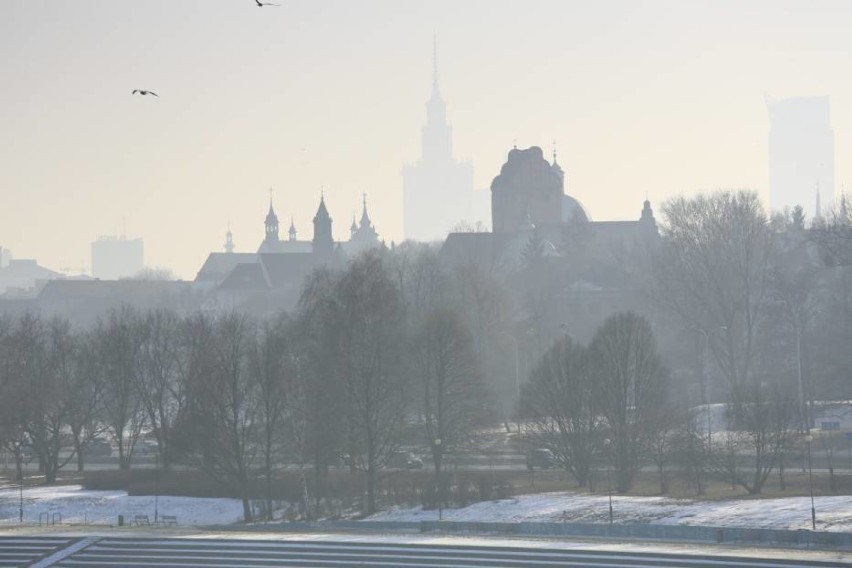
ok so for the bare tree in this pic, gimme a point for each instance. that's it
(369, 315)
(711, 271)
(161, 384)
(558, 407)
(14, 397)
(631, 385)
(317, 367)
(49, 350)
(766, 418)
(225, 421)
(118, 341)
(83, 388)
(268, 359)
(452, 398)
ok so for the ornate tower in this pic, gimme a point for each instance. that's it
(271, 224)
(323, 241)
(292, 231)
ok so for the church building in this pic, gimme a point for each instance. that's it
(272, 278)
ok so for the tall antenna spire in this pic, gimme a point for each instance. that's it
(435, 62)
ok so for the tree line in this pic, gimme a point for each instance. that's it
(403, 347)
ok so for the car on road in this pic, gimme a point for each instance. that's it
(97, 447)
(541, 458)
(404, 460)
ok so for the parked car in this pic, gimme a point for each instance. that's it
(97, 447)
(541, 458)
(404, 460)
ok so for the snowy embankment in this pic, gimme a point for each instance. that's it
(833, 513)
(77, 505)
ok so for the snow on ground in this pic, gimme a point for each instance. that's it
(77, 505)
(833, 513)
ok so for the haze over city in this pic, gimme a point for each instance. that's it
(656, 99)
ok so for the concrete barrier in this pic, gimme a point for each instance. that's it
(649, 531)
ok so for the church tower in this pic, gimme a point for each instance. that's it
(271, 224)
(229, 241)
(323, 241)
(437, 191)
(292, 231)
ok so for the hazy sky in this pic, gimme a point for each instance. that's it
(652, 97)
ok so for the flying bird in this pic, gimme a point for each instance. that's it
(143, 92)
(262, 4)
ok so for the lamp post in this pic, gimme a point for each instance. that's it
(607, 443)
(440, 492)
(156, 484)
(809, 439)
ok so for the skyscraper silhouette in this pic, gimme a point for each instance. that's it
(801, 154)
(437, 190)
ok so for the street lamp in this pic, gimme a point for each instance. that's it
(607, 443)
(440, 493)
(809, 439)
(156, 483)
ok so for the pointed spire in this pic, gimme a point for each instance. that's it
(322, 211)
(354, 227)
(292, 231)
(365, 218)
(229, 240)
(435, 62)
(271, 222)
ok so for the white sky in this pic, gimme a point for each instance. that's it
(659, 97)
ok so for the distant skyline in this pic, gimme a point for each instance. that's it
(655, 98)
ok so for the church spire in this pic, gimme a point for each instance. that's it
(229, 240)
(292, 231)
(271, 222)
(365, 219)
(323, 241)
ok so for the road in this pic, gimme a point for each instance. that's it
(239, 553)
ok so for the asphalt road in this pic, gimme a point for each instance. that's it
(236, 553)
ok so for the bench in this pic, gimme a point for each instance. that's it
(168, 520)
(140, 520)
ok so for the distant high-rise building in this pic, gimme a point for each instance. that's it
(117, 257)
(801, 154)
(437, 190)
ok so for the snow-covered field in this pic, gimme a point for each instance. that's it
(833, 513)
(77, 505)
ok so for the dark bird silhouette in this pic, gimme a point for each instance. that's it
(143, 92)
(262, 4)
